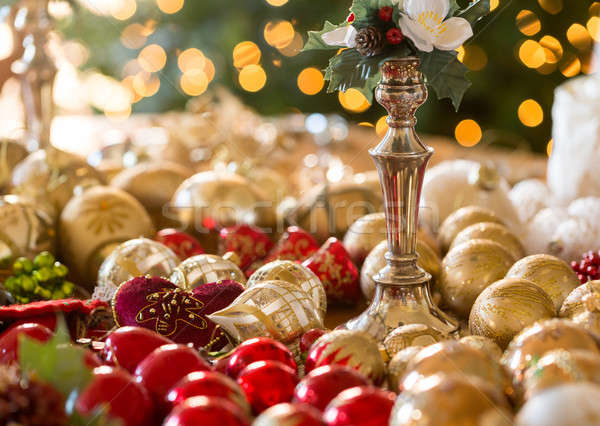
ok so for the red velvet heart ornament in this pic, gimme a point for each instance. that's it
(159, 305)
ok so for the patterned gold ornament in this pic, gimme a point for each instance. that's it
(483, 344)
(275, 309)
(24, 229)
(93, 223)
(294, 273)
(451, 401)
(133, 258)
(468, 269)
(396, 368)
(461, 219)
(534, 341)
(410, 335)
(590, 318)
(491, 231)
(508, 306)
(453, 357)
(363, 235)
(203, 269)
(573, 304)
(558, 367)
(550, 273)
(375, 261)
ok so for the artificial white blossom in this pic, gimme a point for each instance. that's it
(343, 37)
(425, 23)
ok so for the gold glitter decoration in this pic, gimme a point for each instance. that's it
(363, 235)
(410, 335)
(491, 231)
(573, 304)
(483, 344)
(398, 364)
(590, 318)
(203, 269)
(461, 219)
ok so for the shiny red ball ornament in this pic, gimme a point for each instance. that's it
(248, 242)
(165, 366)
(128, 346)
(258, 349)
(206, 411)
(9, 340)
(394, 36)
(294, 244)
(123, 397)
(385, 13)
(323, 384)
(309, 338)
(182, 244)
(207, 383)
(350, 19)
(339, 275)
(360, 406)
(290, 415)
(267, 383)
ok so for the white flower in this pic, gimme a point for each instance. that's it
(343, 37)
(426, 25)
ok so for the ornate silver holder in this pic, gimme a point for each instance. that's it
(402, 294)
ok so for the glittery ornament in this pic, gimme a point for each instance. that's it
(363, 235)
(411, 335)
(182, 244)
(294, 244)
(354, 349)
(550, 273)
(508, 306)
(248, 242)
(275, 309)
(491, 231)
(332, 264)
(461, 219)
(360, 406)
(293, 273)
(205, 268)
(483, 344)
(468, 269)
(529, 197)
(397, 366)
(590, 318)
(289, 415)
(133, 258)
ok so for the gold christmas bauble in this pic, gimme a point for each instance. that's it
(93, 223)
(294, 273)
(468, 269)
(363, 235)
(153, 185)
(54, 175)
(541, 337)
(410, 335)
(558, 367)
(275, 309)
(274, 184)
(375, 261)
(590, 317)
(491, 231)
(396, 368)
(484, 344)
(25, 230)
(550, 273)
(221, 198)
(453, 357)
(573, 304)
(461, 219)
(133, 258)
(508, 306)
(203, 269)
(451, 401)
(11, 154)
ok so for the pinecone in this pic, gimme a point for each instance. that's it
(369, 41)
(29, 402)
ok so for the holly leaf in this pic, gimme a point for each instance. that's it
(445, 74)
(366, 12)
(350, 69)
(476, 10)
(315, 41)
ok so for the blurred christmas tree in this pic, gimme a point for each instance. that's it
(168, 50)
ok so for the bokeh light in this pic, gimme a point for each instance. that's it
(246, 53)
(134, 36)
(570, 66)
(552, 49)
(494, 4)
(460, 53)
(252, 78)
(152, 58)
(579, 37)
(191, 59)
(310, 81)
(108, 94)
(6, 41)
(474, 58)
(549, 147)
(595, 8)
(127, 82)
(279, 34)
(122, 9)
(294, 47)
(468, 133)
(553, 7)
(593, 27)
(381, 127)
(209, 69)
(194, 82)
(353, 100)
(169, 6)
(146, 84)
(530, 113)
(528, 22)
(532, 54)
(277, 3)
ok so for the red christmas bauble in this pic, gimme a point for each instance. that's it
(309, 338)
(221, 364)
(206, 411)
(323, 384)
(360, 406)
(182, 244)
(9, 340)
(258, 349)
(394, 36)
(128, 346)
(117, 390)
(248, 242)
(294, 244)
(267, 383)
(386, 13)
(334, 267)
(290, 415)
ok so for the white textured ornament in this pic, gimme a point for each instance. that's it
(529, 197)
(539, 231)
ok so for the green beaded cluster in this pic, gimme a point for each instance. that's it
(41, 279)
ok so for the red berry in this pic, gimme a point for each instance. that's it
(267, 383)
(128, 346)
(385, 13)
(207, 411)
(117, 390)
(592, 271)
(360, 406)
(575, 265)
(582, 278)
(350, 18)
(309, 338)
(9, 340)
(258, 349)
(394, 36)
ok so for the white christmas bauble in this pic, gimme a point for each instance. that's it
(573, 237)
(539, 232)
(587, 208)
(529, 197)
